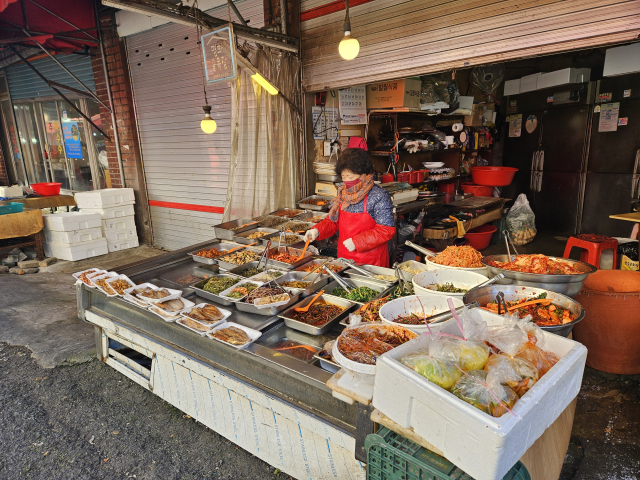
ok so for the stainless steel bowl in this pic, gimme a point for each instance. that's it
(484, 295)
(569, 285)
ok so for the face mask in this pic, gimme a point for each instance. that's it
(352, 183)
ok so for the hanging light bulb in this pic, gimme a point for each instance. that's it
(208, 124)
(349, 46)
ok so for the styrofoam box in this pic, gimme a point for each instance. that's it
(108, 213)
(79, 251)
(119, 223)
(108, 197)
(71, 221)
(564, 77)
(529, 83)
(115, 236)
(511, 87)
(483, 446)
(9, 192)
(622, 60)
(122, 245)
(74, 236)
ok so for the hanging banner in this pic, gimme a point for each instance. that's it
(219, 55)
(71, 135)
(353, 105)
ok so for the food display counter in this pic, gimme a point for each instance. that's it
(268, 398)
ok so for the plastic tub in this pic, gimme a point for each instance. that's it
(431, 305)
(447, 187)
(46, 189)
(459, 278)
(11, 207)
(480, 237)
(493, 176)
(477, 190)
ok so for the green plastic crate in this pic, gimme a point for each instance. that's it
(390, 456)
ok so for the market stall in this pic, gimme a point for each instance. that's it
(261, 343)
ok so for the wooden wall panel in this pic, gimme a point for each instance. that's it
(400, 38)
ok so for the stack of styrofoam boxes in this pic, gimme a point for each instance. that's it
(73, 236)
(115, 206)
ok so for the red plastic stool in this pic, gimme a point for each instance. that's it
(592, 247)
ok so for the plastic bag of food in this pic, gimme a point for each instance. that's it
(506, 338)
(516, 373)
(440, 88)
(467, 354)
(442, 372)
(484, 391)
(543, 360)
(521, 221)
(488, 78)
(473, 325)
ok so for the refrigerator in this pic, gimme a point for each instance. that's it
(551, 153)
(613, 166)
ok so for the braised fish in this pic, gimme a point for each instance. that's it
(232, 336)
(172, 305)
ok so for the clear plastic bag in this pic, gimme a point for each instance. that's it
(543, 360)
(488, 78)
(484, 392)
(442, 372)
(516, 373)
(521, 221)
(439, 88)
(467, 354)
(506, 338)
(473, 325)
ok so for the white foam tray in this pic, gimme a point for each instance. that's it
(106, 197)
(226, 314)
(170, 316)
(119, 223)
(106, 276)
(71, 221)
(202, 334)
(78, 251)
(483, 446)
(122, 244)
(253, 334)
(98, 272)
(109, 213)
(122, 277)
(73, 237)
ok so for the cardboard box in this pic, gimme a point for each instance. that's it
(395, 94)
(474, 120)
(563, 77)
(529, 83)
(511, 87)
(622, 60)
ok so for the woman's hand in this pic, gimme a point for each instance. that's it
(311, 235)
(348, 243)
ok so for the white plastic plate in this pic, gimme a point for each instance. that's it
(253, 334)
(226, 314)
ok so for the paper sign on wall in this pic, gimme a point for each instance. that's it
(609, 117)
(353, 105)
(515, 125)
(325, 123)
(72, 143)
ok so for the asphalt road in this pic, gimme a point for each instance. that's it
(88, 421)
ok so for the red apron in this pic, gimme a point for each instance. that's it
(350, 225)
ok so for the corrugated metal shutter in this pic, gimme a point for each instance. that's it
(186, 170)
(400, 38)
(24, 83)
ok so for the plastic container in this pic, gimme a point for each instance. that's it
(46, 189)
(493, 176)
(11, 207)
(11, 192)
(71, 221)
(387, 178)
(390, 456)
(417, 176)
(433, 305)
(480, 237)
(459, 279)
(447, 187)
(78, 251)
(477, 190)
(404, 176)
(107, 197)
(73, 237)
(436, 266)
(483, 446)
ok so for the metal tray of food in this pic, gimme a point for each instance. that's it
(286, 213)
(323, 279)
(271, 311)
(227, 230)
(197, 287)
(237, 271)
(289, 321)
(244, 236)
(328, 365)
(269, 221)
(312, 206)
(312, 217)
(230, 266)
(275, 239)
(374, 270)
(292, 251)
(296, 226)
(319, 261)
(220, 246)
(358, 282)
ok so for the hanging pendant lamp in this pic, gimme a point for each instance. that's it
(349, 46)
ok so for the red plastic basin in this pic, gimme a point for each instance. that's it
(480, 237)
(477, 190)
(46, 189)
(493, 176)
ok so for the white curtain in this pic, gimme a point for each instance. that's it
(266, 138)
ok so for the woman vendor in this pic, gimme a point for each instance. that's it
(361, 213)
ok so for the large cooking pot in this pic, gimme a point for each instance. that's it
(569, 285)
(484, 295)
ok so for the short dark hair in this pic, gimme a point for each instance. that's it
(355, 159)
